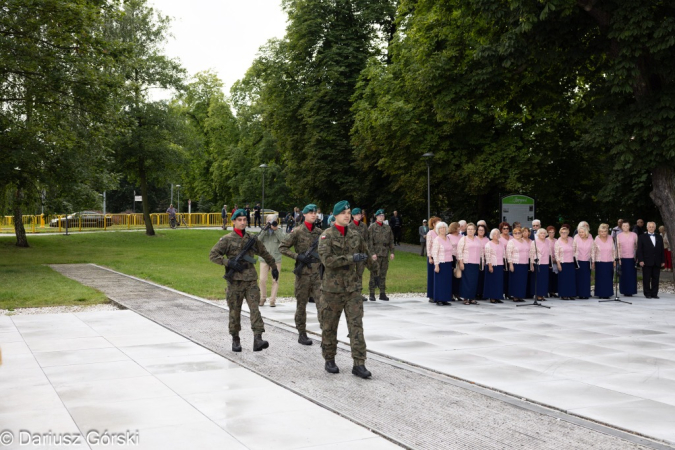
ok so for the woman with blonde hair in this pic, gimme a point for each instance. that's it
(540, 252)
(441, 252)
(564, 259)
(504, 238)
(583, 246)
(626, 243)
(469, 251)
(493, 255)
(454, 236)
(482, 235)
(604, 257)
(553, 268)
(518, 255)
(431, 235)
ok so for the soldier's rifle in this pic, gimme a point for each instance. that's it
(310, 256)
(243, 254)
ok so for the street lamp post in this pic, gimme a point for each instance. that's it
(178, 187)
(263, 167)
(428, 157)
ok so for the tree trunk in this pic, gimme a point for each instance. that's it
(21, 240)
(663, 195)
(149, 229)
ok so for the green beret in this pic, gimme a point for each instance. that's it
(356, 211)
(309, 208)
(340, 206)
(379, 212)
(237, 213)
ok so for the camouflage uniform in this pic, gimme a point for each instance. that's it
(307, 283)
(362, 229)
(339, 291)
(244, 284)
(381, 243)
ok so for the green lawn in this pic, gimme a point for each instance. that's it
(175, 258)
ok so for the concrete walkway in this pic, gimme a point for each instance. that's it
(118, 372)
(610, 362)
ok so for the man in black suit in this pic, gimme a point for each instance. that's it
(639, 227)
(650, 258)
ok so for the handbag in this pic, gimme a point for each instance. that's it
(456, 272)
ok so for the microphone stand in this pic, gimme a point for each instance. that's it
(616, 276)
(536, 277)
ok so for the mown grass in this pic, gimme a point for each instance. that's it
(174, 258)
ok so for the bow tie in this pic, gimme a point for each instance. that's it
(651, 234)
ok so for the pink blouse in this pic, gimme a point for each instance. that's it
(603, 251)
(431, 235)
(627, 243)
(518, 252)
(504, 241)
(441, 251)
(494, 254)
(469, 250)
(583, 248)
(564, 252)
(454, 238)
(543, 249)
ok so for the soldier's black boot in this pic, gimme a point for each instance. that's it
(258, 343)
(303, 339)
(361, 371)
(236, 344)
(372, 296)
(384, 297)
(331, 367)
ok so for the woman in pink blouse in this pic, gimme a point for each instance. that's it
(553, 268)
(540, 252)
(441, 253)
(583, 246)
(564, 259)
(481, 233)
(518, 255)
(431, 235)
(604, 260)
(493, 255)
(454, 236)
(626, 242)
(469, 251)
(504, 238)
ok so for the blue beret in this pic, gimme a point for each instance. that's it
(340, 206)
(379, 212)
(309, 208)
(237, 213)
(356, 211)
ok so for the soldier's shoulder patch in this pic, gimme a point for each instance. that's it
(323, 236)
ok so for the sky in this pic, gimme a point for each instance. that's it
(223, 35)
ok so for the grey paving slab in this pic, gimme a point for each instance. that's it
(82, 356)
(100, 392)
(56, 345)
(72, 374)
(478, 420)
(201, 435)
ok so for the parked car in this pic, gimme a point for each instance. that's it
(90, 219)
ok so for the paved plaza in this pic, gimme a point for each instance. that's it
(580, 375)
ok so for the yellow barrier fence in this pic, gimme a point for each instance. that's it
(97, 222)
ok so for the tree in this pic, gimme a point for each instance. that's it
(58, 93)
(149, 145)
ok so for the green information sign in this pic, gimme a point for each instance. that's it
(518, 208)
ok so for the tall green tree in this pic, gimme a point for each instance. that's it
(57, 91)
(149, 146)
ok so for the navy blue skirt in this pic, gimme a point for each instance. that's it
(584, 279)
(518, 280)
(469, 281)
(552, 281)
(628, 278)
(493, 286)
(481, 281)
(540, 278)
(430, 280)
(443, 283)
(529, 286)
(604, 279)
(567, 280)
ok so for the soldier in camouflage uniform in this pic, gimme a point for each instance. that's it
(340, 249)
(244, 283)
(307, 283)
(381, 243)
(357, 225)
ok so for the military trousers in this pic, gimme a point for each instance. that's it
(380, 268)
(360, 268)
(236, 292)
(332, 305)
(306, 286)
